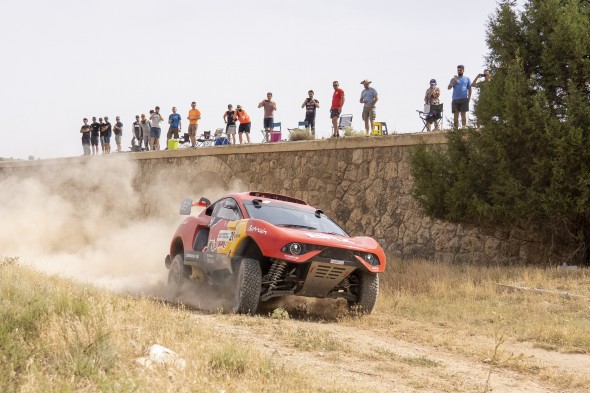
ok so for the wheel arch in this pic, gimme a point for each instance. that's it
(177, 247)
(248, 249)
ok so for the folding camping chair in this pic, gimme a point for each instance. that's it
(220, 140)
(343, 122)
(184, 140)
(275, 133)
(430, 117)
(302, 125)
(205, 139)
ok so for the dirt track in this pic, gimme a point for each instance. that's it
(377, 361)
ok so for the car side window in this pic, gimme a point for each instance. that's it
(228, 210)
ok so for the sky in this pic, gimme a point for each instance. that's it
(64, 60)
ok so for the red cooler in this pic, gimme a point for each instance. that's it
(275, 136)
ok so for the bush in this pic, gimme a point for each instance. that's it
(301, 135)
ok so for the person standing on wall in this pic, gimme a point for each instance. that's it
(118, 130)
(229, 117)
(137, 139)
(461, 86)
(156, 131)
(269, 109)
(336, 108)
(175, 122)
(85, 131)
(369, 98)
(245, 123)
(146, 129)
(94, 135)
(193, 123)
(431, 97)
(310, 104)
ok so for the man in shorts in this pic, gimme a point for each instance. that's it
(229, 117)
(336, 108)
(193, 123)
(107, 138)
(461, 86)
(94, 134)
(103, 135)
(156, 131)
(137, 139)
(369, 98)
(175, 122)
(269, 109)
(245, 123)
(118, 130)
(310, 104)
(85, 131)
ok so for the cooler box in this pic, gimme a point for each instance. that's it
(172, 144)
(221, 141)
(275, 136)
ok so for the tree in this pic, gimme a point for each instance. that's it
(529, 163)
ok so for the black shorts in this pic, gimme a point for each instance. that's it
(334, 113)
(268, 122)
(461, 105)
(244, 127)
(94, 140)
(310, 121)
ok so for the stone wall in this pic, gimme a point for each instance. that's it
(364, 184)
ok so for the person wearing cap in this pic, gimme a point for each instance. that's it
(369, 98)
(146, 128)
(245, 123)
(336, 107)
(461, 86)
(156, 131)
(137, 139)
(94, 134)
(193, 123)
(118, 130)
(229, 118)
(431, 97)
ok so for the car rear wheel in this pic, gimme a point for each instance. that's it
(177, 276)
(248, 284)
(365, 286)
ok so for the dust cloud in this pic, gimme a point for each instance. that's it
(90, 222)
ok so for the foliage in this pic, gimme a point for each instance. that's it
(300, 135)
(529, 163)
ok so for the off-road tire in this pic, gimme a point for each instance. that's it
(367, 293)
(177, 276)
(248, 284)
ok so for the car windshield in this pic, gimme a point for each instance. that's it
(292, 217)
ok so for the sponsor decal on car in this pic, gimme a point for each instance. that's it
(252, 228)
(336, 262)
(225, 236)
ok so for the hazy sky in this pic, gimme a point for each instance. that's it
(64, 60)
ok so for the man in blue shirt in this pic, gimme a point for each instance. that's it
(175, 125)
(461, 86)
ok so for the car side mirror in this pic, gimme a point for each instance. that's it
(186, 207)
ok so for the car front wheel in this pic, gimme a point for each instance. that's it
(248, 284)
(365, 286)
(177, 276)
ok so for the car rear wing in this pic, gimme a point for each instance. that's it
(187, 204)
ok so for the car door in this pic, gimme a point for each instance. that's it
(225, 210)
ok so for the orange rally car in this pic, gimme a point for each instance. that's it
(266, 245)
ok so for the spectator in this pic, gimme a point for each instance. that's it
(310, 104)
(431, 97)
(146, 129)
(94, 135)
(156, 130)
(118, 130)
(461, 86)
(369, 98)
(175, 122)
(107, 138)
(269, 109)
(137, 138)
(103, 133)
(486, 78)
(229, 117)
(336, 108)
(194, 115)
(245, 123)
(85, 131)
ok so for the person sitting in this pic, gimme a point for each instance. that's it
(432, 97)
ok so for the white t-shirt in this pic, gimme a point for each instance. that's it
(155, 118)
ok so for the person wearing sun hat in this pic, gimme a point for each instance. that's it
(431, 97)
(369, 98)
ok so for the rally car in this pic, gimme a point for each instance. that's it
(264, 245)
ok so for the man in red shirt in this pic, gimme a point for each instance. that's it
(336, 108)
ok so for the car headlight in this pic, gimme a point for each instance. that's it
(295, 248)
(371, 259)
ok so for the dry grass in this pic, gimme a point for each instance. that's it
(301, 135)
(60, 336)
